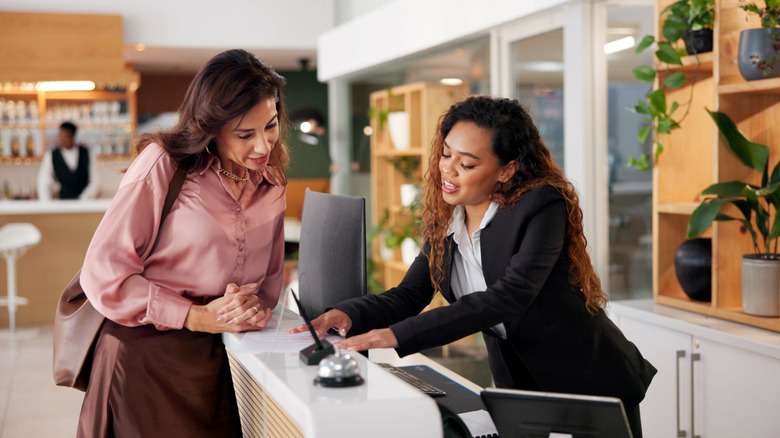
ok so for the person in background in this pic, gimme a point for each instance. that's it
(214, 266)
(68, 171)
(504, 244)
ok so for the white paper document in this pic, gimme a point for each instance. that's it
(479, 423)
(279, 341)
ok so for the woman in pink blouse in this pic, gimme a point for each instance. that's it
(213, 266)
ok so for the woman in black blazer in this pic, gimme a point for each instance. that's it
(504, 244)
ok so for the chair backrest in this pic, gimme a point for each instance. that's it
(18, 236)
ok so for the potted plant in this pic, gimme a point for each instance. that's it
(407, 166)
(758, 207)
(692, 21)
(758, 48)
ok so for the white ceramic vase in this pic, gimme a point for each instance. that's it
(384, 252)
(398, 125)
(408, 194)
(409, 250)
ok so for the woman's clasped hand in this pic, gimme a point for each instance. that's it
(240, 309)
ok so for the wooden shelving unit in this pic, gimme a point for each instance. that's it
(424, 103)
(696, 157)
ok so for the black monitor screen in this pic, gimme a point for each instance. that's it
(332, 251)
(531, 414)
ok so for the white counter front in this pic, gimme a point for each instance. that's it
(277, 395)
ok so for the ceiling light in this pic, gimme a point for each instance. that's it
(451, 81)
(619, 45)
(543, 66)
(140, 47)
(305, 127)
(65, 86)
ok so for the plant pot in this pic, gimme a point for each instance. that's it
(408, 194)
(409, 250)
(385, 253)
(398, 125)
(760, 286)
(756, 46)
(693, 266)
(697, 41)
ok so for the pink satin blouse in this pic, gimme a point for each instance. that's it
(208, 240)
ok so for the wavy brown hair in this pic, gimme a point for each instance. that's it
(515, 138)
(228, 86)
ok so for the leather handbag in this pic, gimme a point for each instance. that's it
(77, 324)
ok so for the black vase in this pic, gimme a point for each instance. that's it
(697, 41)
(693, 266)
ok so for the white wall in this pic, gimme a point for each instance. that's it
(285, 24)
(405, 27)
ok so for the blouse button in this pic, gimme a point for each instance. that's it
(238, 209)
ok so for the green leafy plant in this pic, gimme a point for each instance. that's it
(406, 165)
(681, 16)
(769, 13)
(757, 204)
(770, 18)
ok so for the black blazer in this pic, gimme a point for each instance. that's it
(524, 260)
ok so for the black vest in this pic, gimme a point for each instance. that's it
(72, 182)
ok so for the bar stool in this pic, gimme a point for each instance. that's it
(15, 239)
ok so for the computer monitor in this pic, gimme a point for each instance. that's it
(526, 414)
(332, 251)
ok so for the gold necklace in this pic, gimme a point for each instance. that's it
(235, 177)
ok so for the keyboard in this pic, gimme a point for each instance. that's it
(415, 381)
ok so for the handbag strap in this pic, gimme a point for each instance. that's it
(173, 192)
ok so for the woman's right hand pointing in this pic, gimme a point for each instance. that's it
(331, 319)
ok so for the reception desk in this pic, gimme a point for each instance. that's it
(277, 395)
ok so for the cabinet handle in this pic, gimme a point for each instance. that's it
(694, 358)
(680, 355)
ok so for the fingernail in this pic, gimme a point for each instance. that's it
(220, 319)
(220, 312)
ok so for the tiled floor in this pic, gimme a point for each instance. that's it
(30, 404)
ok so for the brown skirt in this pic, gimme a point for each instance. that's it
(147, 383)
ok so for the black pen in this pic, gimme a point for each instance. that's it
(308, 322)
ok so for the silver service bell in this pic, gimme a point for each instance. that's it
(338, 370)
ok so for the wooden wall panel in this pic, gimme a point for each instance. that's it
(39, 46)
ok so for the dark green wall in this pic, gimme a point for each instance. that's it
(303, 90)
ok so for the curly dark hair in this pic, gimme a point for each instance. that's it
(228, 86)
(515, 138)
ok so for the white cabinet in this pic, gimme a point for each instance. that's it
(666, 407)
(738, 392)
(710, 384)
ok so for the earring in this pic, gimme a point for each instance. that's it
(207, 149)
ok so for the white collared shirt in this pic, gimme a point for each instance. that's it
(467, 276)
(48, 184)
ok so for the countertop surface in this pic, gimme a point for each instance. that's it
(8, 207)
(708, 327)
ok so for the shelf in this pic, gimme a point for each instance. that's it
(728, 313)
(689, 64)
(763, 86)
(683, 208)
(395, 264)
(398, 153)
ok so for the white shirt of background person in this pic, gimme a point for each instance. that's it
(47, 180)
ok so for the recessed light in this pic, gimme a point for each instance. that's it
(451, 81)
(65, 86)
